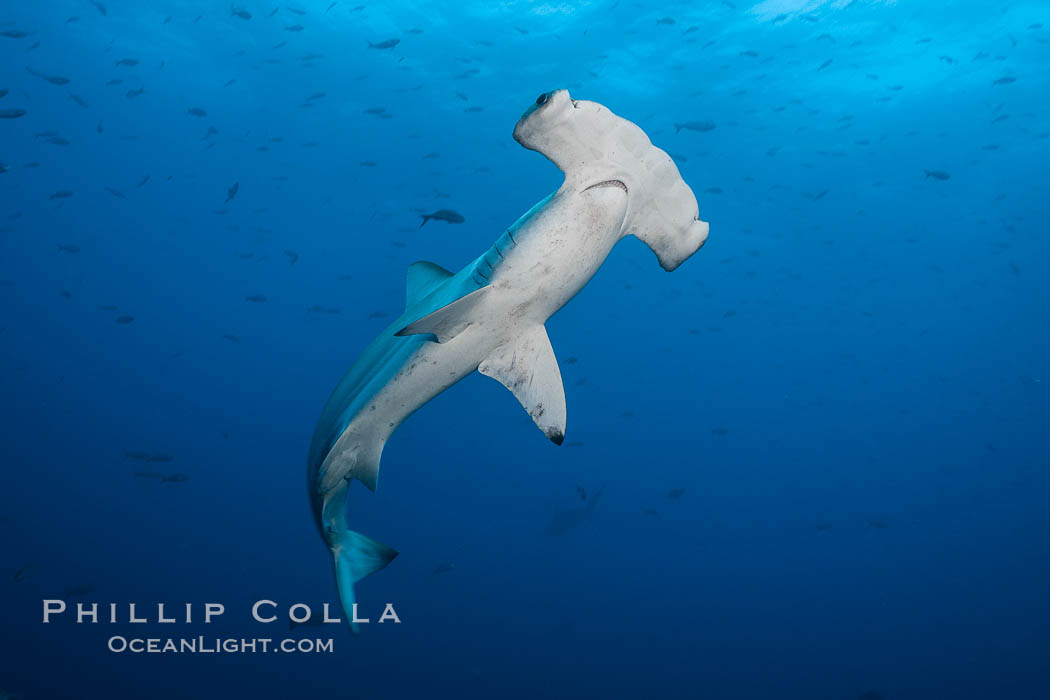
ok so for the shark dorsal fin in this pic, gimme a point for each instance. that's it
(527, 366)
(423, 277)
(448, 321)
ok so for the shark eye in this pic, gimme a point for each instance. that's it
(542, 99)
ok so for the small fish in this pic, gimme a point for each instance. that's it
(143, 181)
(125, 319)
(15, 33)
(292, 256)
(58, 140)
(75, 592)
(823, 526)
(1005, 80)
(196, 112)
(53, 79)
(231, 337)
(68, 248)
(115, 192)
(128, 62)
(240, 13)
(294, 28)
(825, 64)
(665, 20)
(937, 174)
(230, 82)
(447, 215)
(256, 298)
(61, 194)
(132, 94)
(749, 54)
(878, 523)
(676, 493)
(386, 44)
(79, 100)
(375, 110)
(23, 573)
(368, 164)
(232, 192)
(443, 568)
(3, 92)
(100, 7)
(12, 113)
(694, 126)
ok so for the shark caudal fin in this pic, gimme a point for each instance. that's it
(356, 556)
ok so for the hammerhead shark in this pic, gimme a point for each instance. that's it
(490, 315)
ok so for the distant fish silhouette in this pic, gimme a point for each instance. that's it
(447, 215)
(565, 520)
(694, 126)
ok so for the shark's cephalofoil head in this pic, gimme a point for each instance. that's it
(591, 145)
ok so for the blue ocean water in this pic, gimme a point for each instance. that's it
(820, 444)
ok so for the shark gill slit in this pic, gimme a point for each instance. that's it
(608, 183)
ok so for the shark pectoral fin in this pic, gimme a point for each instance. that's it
(423, 277)
(356, 556)
(527, 366)
(448, 321)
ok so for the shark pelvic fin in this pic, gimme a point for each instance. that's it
(528, 367)
(423, 278)
(356, 556)
(448, 321)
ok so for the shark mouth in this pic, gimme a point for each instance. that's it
(608, 183)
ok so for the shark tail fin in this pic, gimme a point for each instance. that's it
(426, 218)
(356, 556)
